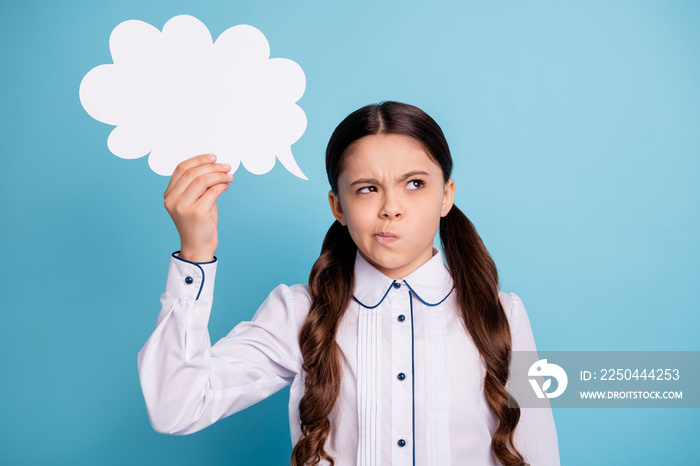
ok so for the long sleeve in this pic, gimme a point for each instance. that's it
(187, 383)
(536, 435)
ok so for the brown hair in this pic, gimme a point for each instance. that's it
(331, 284)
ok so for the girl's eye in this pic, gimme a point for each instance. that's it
(366, 189)
(415, 184)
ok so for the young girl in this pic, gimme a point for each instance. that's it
(393, 357)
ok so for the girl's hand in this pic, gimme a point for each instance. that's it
(190, 199)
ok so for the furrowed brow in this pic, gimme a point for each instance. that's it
(402, 178)
(364, 181)
(414, 173)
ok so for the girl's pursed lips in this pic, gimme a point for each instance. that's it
(385, 237)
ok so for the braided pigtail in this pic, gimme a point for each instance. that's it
(331, 282)
(476, 286)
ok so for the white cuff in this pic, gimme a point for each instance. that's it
(191, 280)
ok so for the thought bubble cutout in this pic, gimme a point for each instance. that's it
(176, 94)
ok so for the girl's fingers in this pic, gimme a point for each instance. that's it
(182, 168)
(199, 186)
(180, 182)
(207, 200)
(186, 166)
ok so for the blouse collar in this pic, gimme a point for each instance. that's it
(431, 282)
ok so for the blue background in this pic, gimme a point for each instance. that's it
(575, 129)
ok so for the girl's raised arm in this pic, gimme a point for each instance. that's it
(187, 383)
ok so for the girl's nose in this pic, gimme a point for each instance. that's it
(391, 209)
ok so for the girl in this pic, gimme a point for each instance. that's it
(393, 357)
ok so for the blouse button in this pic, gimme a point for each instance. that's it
(401, 376)
(402, 318)
(401, 443)
(397, 285)
(189, 280)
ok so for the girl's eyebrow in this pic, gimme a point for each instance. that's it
(402, 178)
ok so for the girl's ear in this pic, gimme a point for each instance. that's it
(336, 208)
(448, 198)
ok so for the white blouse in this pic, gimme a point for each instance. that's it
(412, 384)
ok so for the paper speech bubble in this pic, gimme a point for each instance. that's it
(176, 94)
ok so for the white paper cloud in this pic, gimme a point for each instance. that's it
(176, 94)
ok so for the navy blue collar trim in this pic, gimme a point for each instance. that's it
(410, 288)
(424, 301)
(380, 301)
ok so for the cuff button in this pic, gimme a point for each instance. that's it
(189, 280)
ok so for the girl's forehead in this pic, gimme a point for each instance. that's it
(385, 142)
(387, 153)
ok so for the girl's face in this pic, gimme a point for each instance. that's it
(391, 196)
